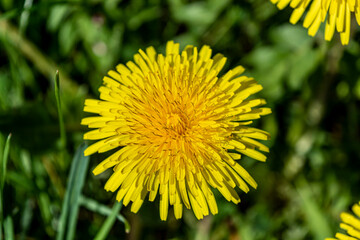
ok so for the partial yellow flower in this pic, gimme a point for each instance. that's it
(178, 129)
(336, 14)
(351, 224)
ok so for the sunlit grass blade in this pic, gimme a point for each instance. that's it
(26, 218)
(60, 113)
(24, 17)
(44, 202)
(8, 228)
(83, 163)
(3, 164)
(94, 206)
(109, 222)
(69, 213)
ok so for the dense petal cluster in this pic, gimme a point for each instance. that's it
(178, 129)
(351, 224)
(336, 14)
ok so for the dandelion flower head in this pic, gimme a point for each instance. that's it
(336, 14)
(178, 129)
(351, 224)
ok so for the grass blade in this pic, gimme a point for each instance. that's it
(109, 222)
(8, 228)
(3, 164)
(26, 218)
(83, 163)
(4, 160)
(94, 206)
(60, 113)
(71, 201)
(24, 17)
(313, 213)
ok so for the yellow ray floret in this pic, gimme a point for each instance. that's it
(351, 224)
(335, 13)
(177, 129)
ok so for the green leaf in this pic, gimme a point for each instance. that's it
(57, 15)
(60, 113)
(290, 37)
(8, 228)
(26, 218)
(304, 62)
(109, 222)
(313, 212)
(69, 213)
(145, 15)
(94, 206)
(3, 163)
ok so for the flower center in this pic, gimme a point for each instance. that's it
(175, 124)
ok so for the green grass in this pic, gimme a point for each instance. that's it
(106, 227)
(70, 207)
(96, 207)
(5, 221)
(60, 113)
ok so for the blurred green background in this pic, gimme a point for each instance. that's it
(312, 86)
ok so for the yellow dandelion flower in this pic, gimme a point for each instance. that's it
(336, 14)
(178, 128)
(351, 224)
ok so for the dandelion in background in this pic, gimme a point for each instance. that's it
(178, 129)
(336, 14)
(351, 224)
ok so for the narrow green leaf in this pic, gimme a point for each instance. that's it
(83, 163)
(24, 17)
(314, 216)
(44, 203)
(8, 228)
(109, 222)
(3, 164)
(67, 223)
(60, 113)
(26, 218)
(4, 161)
(94, 206)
